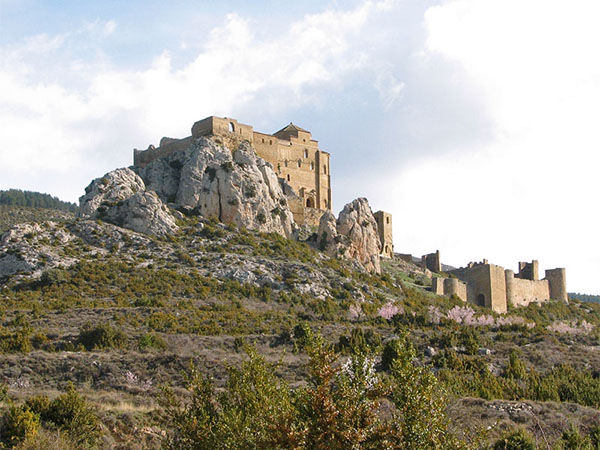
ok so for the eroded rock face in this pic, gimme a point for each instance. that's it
(353, 235)
(120, 197)
(234, 187)
(112, 188)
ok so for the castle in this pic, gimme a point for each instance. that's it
(304, 170)
(493, 286)
(293, 153)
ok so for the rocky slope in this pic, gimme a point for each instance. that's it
(353, 235)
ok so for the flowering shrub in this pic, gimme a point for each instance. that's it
(389, 310)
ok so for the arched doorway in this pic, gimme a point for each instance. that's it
(481, 300)
(310, 203)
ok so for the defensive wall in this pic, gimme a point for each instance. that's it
(492, 286)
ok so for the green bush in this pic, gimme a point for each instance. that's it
(515, 440)
(151, 341)
(102, 336)
(71, 413)
(18, 424)
(338, 409)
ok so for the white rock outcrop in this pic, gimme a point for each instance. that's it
(120, 197)
(353, 235)
(234, 187)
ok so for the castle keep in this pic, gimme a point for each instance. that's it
(293, 153)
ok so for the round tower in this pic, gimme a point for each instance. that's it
(557, 281)
(509, 275)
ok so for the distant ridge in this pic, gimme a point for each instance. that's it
(584, 297)
(17, 197)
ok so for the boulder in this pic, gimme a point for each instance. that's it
(143, 212)
(233, 187)
(353, 235)
(120, 197)
(115, 186)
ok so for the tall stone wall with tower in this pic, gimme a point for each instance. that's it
(494, 287)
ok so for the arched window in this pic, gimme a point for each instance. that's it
(387, 220)
(299, 163)
(481, 300)
(310, 203)
(312, 166)
(288, 177)
(231, 127)
(285, 163)
(305, 153)
(263, 140)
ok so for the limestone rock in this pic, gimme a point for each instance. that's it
(120, 198)
(234, 187)
(110, 189)
(353, 236)
(143, 212)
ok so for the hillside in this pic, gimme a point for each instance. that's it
(12, 215)
(120, 314)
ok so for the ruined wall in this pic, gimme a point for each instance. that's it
(529, 271)
(522, 291)
(449, 286)
(384, 227)
(432, 261)
(168, 146)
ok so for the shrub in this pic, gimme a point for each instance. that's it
(151, 341)
(102, 336)
(18, 424)
(515, 440)
(72, 413)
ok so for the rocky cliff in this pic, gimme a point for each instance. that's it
(353, 235)
(205, 179)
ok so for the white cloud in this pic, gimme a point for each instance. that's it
(530, 192)
(62, 114)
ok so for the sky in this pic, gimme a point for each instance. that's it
(474, 122)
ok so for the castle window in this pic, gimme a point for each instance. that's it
(325, 170)
(231, 127)
(285, 163)
(270, 141)
(263, 140)
(324, 203)
(310, 203)
(387, 220)
(299, 163)
(305, 153)
(288, 177)
(303, 140)
(312, 166)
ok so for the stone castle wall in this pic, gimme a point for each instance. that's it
(492, 286)
(292, 152)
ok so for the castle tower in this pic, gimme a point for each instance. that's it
(557, 281)
(529, 271)
(384, 226)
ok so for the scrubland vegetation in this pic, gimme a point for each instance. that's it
(163, 344)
